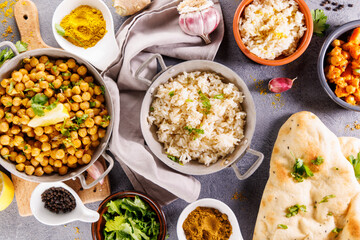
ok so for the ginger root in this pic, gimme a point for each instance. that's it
(129, 7)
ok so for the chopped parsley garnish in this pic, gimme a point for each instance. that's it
(66, 74)
(196, 130)
(21, 46)
(102, 88)
(330, 214)
(205, 102)
(319, 20)
(54, 68)
(301, 171)
(64, 131)
(219, 96)
(356, 164)
(171, 94)
(189, 100)
(7, 115)
(357, 70)
(294, 210)
(282, 226)
(92, 104)
(64, 87)
(26, 147)
(326, 198)
(173, 158)
(318, 161)
(11, 87)
(106, 118)
(152, 109)
(92, 85)
(5, 55)
(38, 104)
(337, 230)
(80, 120)
(47, 62)
(51, 85)
(6, 156)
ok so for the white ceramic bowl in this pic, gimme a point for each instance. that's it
(213, 203)
(105, 51)
(44, 215)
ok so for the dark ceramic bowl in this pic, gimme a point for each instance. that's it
(342, 33)
(98, 227)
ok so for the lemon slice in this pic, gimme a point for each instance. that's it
(6, 191)
(51, 117)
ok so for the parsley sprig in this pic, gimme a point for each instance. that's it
(326, 198)
(319, 20)
(301, 171)
(356, 164)
(195, 130)
(38, 104)
(318, 161)
(294, 210)
(282, 226)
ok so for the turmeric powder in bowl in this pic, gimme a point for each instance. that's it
(84, 26)
(208, 224)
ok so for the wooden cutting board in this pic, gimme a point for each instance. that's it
(27, 19)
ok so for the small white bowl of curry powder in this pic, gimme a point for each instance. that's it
(87, 30)
(208, 219)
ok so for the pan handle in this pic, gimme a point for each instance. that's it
(145, 64)
(252, 169)
(82, 179)
(11, 45)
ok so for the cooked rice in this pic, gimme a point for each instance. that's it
(181, 103)
(271, 28)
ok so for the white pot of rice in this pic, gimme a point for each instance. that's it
(198, 117)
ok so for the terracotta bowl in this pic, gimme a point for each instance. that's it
(304, 42)
(98, 227)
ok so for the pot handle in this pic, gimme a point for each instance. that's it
(252, 169)
(145, 64)
(82, 179)
(11, 45)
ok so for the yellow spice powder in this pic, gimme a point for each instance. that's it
(84, 26)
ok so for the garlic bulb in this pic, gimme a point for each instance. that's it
(198, 18)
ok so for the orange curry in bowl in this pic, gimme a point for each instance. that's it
(343, 68)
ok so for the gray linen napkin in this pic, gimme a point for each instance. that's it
(154, 30)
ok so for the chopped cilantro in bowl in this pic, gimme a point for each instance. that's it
(129, 215)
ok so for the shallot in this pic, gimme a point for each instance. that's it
(279, 85)
(198, 18)
(96, 170)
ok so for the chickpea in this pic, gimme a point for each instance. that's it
(79, 113)
(93, 130)
(29, 170)
(27, 148)
(94, 137)
(61, 97)
(86, 158)
(20, 167)
(101, 132)
(39, 131)
(44, 84)
(7, 101)
(27, 66)
(5, 82)
(74, 78)
(77, 143)
(29, 84)
(95, 144)
(30, 112)
(14, 110)
(89, 79)
(97, 90)
(20, 87)
(62, 67)
(60, 154)
(75, 107)
(39, 157)
(30, 134)
(89, 122)
(33, 62)
(57, 163)
(57, 83)
(35, 151)
(18, 140)
(43, 59)
(24, 120)
(32, 75)
(2, 113)
(26, 129)
(24, 101)
(17, 76)
(84, 105)
(76, 90)
(82, 70)
(100, 98)
(68, 93)
(34, 162)
(48, 129)
(13, 156)
(71, 63)
(20, 158)
(25, 78)
(40, 67)
(39, 171)
(82, 132)
(5, 140)
(44, 138)
(72, 160)
(98, 120)
(63, 170)
(71, 150)
(86, 140)
(74, 135)
(50, 78)
(51, 161)
(4, 151)
(48, 169)
(77, 98)
(4, 127)
(16, 101)
(79, 153)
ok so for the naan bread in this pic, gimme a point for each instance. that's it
(305, 136)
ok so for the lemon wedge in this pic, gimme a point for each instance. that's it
(51, 117)
(6, 191)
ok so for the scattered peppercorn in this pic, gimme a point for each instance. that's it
(334, 3)
(350, 5)
(58, 199)
(328, 8)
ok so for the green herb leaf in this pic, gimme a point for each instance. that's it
(357, 70)
(92, 85)
(356, 164)
(51, 85)
(5, 55)
(337, 230)
(318, 161)
(152, 109)
(326, 198)
(26, 147)
(173, 158)
(66, 74)
(52, 106)
(60, 30)
(196, 130)
(171, 94)
(189, 100)
(282, 226)
(80, 120)
(64, 87)
(54, 68)
(21, 46)
(106, 118)
(319, 20)
(102, 88)
(219, 96)
(301, 171)
(11, 87)
(330, 214)
(294, 210)
(92, 104)
(205, 102)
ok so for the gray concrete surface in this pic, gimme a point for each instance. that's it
(272, 112)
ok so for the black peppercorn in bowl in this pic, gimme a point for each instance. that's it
(97, 228)
(57, 204)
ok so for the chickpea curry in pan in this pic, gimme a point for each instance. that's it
(343, 68)
(52, 116)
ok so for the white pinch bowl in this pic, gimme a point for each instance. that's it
(47, 217)
(212, 203)
(105, 51)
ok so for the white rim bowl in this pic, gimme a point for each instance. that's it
(105, 51)
(213, 203)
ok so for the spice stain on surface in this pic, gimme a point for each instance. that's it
(239, 196)
(353, 126)
(278, 101)
(6, 13)
(261, 86)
